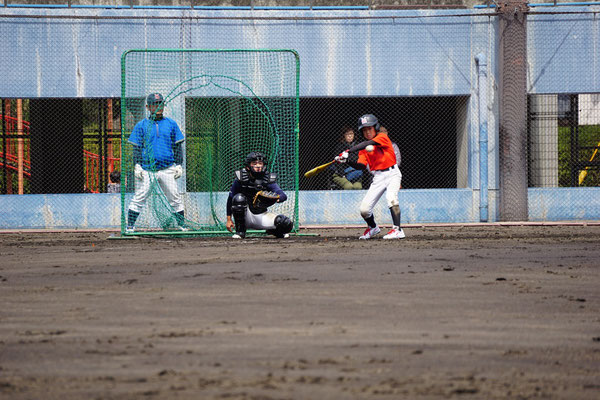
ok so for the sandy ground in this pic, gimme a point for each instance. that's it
(488, 312)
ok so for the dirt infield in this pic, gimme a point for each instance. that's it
(487, 312)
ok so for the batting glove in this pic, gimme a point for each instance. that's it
(139, 172)
(178, 171)
(342, 158)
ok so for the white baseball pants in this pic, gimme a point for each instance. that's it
(167, 183)
(383, 181)
(262, 221)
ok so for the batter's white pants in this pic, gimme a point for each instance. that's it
(383, 181)
(262, 221)
(165, 178)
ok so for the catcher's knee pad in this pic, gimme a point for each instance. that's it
(239, 204)
(283, 224)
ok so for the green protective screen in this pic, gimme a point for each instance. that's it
(227, 103)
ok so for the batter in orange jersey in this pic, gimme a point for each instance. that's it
(387, 177)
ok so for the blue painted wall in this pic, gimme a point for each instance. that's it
(412, 55)
(563, 51)
(88, 211)
(361, 57)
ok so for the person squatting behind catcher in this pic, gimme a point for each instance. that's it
(386, 175)
(253, 191)
(157, 155)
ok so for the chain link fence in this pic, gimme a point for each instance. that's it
(255, 4)
(61, 141)
(564, 139)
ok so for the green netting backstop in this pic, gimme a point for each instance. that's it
(227, 103)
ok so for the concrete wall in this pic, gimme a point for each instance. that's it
(82, 57)
(91, 211)
(374, 4)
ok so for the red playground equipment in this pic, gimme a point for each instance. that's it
(15, 156)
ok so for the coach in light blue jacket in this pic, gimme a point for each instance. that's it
(157, 155)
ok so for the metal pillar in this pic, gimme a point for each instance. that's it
(513, 111)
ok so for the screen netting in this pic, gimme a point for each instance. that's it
(227, 103)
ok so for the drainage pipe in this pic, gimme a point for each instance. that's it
(483, 137)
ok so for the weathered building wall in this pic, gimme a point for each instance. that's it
(343, 53)
(412, 56)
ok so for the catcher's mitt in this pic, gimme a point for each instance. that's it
(264, 199)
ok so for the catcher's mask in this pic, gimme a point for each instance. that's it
(256, 156)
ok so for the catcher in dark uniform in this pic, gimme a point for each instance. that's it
(253, 191)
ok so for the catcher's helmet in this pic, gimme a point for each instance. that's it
(256, 156)
(154, 99)
(368, 120)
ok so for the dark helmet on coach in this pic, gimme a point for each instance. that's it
(256, 156)
(154, 98)
(368, 120)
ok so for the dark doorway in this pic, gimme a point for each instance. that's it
(56, 146)
(425, 129)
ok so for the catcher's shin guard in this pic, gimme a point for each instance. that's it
(283, 225)
(239, 205)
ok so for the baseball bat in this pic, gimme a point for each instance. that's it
(316, 170)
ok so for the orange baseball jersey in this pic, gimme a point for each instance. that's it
(382, 157)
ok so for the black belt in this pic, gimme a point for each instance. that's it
(388, 168)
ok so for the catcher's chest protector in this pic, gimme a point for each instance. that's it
(250, 185)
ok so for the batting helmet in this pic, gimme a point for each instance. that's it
(154, 99)
(368, 120)
(256, 156)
